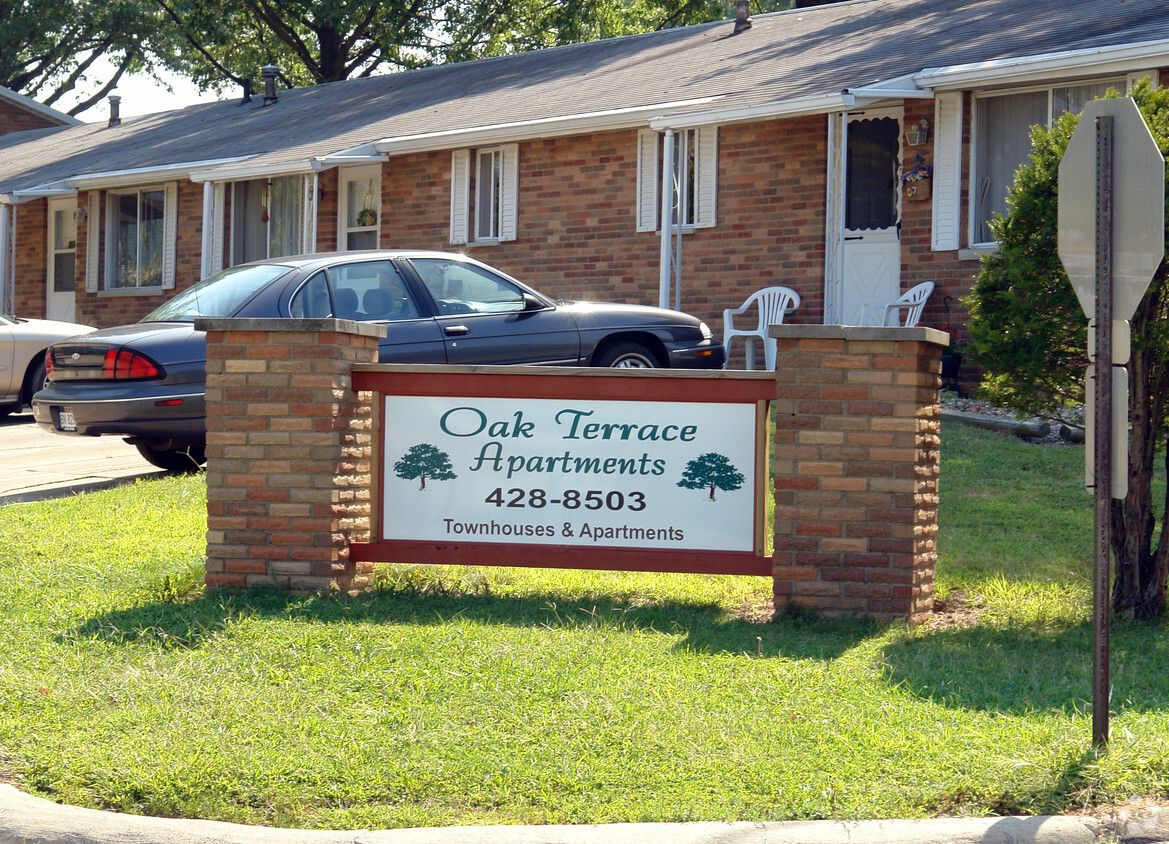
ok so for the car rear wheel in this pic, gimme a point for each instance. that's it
(628, 355)
(185, 459)
(35, 381)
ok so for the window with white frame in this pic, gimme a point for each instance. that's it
(140, 235)
(266, 218)
(359, 208)
(694, 178)
(484, 194)
(1002, 140)
(488, 193)
(62, 275)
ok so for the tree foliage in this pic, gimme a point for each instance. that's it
(1028, 333)
(48, 46)
(316, 41)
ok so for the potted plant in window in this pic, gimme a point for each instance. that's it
(367, 216)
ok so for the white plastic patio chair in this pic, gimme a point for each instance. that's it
(773, 303)
(912, 301)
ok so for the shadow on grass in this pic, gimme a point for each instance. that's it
(1020, 670)
(704, 628)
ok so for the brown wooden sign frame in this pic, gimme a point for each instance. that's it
(578, 384)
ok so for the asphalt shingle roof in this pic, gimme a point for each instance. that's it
(784, 56)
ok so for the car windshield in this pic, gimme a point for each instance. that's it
(5, 319)
(221, 295)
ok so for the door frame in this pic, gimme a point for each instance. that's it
(60, 305)
(837, 185)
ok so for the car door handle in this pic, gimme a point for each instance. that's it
(456, 330)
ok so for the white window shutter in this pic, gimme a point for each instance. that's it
(947, 180)
(170, 219)
(648, 144)
(92, 247)
(460, 195)
(509, 192)
(1154, 77)
(707, 179)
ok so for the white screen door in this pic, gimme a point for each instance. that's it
(872, 245)
(61, 280)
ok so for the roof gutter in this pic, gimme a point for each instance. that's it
(901, 88)
(575, 124)
(821, 104)
(1146, 55)
(253, 170)
(49, 189)
(363, 154)
(138, 176)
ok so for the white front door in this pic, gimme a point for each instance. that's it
(61, 269)
(871, 264)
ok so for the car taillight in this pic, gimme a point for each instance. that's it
(49, 365)
(123, 363)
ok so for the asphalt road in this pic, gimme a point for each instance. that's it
(36, 464)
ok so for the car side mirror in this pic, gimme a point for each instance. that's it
(531, 303)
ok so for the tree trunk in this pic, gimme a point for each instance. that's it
(1138, 591)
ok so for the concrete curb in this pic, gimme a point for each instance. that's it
(25, 819)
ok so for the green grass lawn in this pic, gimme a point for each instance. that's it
(456, 696)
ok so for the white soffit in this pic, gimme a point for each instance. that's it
(575, 124)
(1146, 55)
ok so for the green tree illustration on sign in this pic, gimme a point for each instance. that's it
(424, 461)
(711, 470)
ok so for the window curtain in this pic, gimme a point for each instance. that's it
(1004, 142)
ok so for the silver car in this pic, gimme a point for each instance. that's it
(22, 356)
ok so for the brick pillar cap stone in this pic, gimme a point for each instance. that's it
(859, 332)
(341, 326)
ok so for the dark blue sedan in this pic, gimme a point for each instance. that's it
(145, 382)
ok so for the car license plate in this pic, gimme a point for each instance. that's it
(66, 422)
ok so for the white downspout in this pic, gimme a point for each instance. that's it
(208, 230)
(667, 219)
(834, 237)
(7, 274)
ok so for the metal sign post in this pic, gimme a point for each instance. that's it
(1102, 445)
(1111, 240)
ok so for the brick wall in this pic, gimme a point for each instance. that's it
(13, 118)
(103, 308)
(855, 469)
(577, 233)
(577, 218)
(32, 241)
(855, 462)
(288, 453)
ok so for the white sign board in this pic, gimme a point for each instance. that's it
(669, 475)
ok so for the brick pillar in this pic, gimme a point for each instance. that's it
(855, 467)
(288, 452)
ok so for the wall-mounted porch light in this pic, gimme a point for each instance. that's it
(918, 133)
